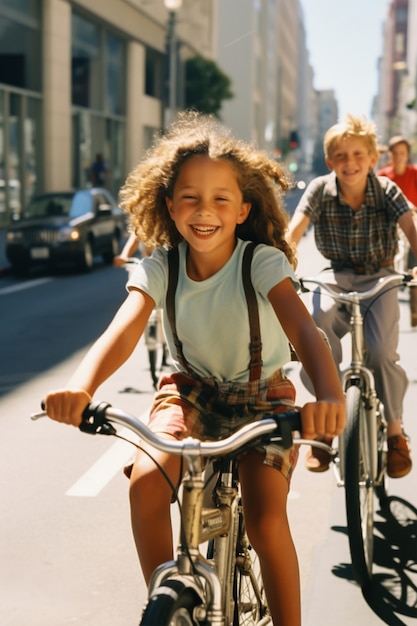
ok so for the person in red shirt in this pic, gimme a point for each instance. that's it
(404, 174)
(400, 170)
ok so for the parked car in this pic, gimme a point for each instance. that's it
(66, 227)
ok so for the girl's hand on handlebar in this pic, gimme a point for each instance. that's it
(67, 405)
(323, 418)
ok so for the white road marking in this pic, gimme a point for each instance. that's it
(106, 467)
(26, 285)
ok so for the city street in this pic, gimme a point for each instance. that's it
(66, 551)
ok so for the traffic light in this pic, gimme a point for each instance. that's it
(293, 142)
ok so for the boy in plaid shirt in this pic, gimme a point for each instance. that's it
(355, 216)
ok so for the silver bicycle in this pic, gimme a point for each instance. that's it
(360, 458)
(223, 587)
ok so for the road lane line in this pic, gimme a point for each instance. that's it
(106, 467)
(26, 285)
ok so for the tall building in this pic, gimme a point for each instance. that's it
(261, 52)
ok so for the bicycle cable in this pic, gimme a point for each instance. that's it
(366, 308)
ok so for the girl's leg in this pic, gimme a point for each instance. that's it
(150, 504)
(264, 493)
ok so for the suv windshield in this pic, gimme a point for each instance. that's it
(49, 206)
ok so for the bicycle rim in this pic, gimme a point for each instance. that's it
(172, 604)
(381, 489)
(250, 602)
(359, 490)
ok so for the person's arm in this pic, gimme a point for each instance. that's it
(107, 354)
(127, 251)
(326, 416)
(297, 226)
(408, 224)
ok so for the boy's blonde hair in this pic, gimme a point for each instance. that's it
(260, 179)
(351, 126)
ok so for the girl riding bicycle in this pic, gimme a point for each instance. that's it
(210, 194)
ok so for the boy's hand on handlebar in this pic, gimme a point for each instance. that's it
(323, 418)
(67, 405)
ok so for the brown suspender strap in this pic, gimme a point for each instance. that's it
(255, 365)
(173, 269)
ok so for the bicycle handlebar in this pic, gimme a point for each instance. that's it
(348, 296)
(98, 418)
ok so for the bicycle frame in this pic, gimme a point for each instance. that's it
(358, 374)
(362, 450)
(198, 525)
(211, 580)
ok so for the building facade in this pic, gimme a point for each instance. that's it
(80, 78)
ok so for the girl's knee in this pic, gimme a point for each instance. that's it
(266, 532)
(149, 490)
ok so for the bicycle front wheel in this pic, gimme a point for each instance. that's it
(173, 604)
(249, 595)
(359, 489)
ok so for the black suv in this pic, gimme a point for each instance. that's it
(68, 226)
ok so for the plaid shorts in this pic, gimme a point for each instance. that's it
(187, 406)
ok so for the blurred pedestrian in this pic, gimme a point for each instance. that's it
(404, 174)
(99, 171)
(400, 170)
(154, 332)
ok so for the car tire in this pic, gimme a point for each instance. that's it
(20, 270)
(112, 251)
(87, 258)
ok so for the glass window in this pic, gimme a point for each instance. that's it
(81, 204)
(115, 64)
(14, 154)
(20, 46)
(115, 142)
(27, 7)
(154, 77)
(2, 162)
(33, 134)
(86, 65)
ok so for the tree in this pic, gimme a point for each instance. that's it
(206, 86)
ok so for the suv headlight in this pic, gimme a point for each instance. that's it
(14, 236)
(68, 234)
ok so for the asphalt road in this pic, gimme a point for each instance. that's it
(66, 551)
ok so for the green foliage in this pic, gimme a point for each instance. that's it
(206, 86)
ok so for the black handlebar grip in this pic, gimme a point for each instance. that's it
(287, 423)
(94, 419)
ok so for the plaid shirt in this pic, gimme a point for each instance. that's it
(365, 238)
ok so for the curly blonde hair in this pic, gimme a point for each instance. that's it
(261, 181)
(351, 126)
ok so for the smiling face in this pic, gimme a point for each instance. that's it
(400, 154)
(351, 161)
(207, 205)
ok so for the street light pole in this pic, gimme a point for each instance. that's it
(173, 6)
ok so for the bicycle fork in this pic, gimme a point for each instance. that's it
(359, 375)
(200, 524)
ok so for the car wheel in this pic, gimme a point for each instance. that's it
(113, 250)
(87, 259)
(20, 270)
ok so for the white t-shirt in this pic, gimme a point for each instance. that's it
(212, 315)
